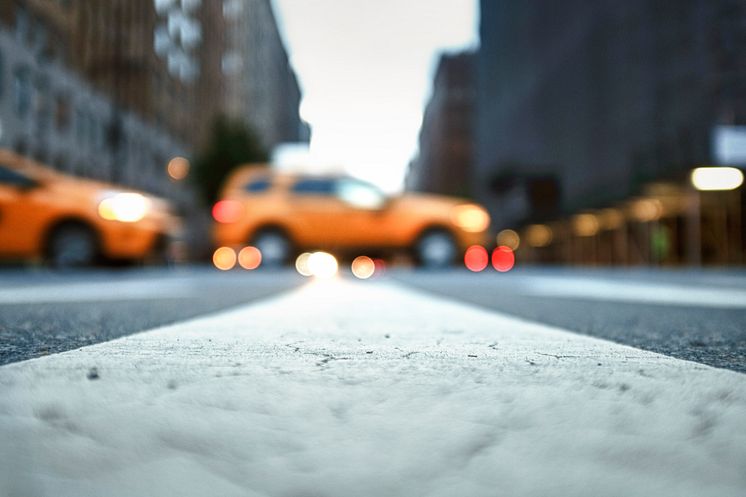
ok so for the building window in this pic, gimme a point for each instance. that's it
(62, 113)
(80, 126)
(22, 91)
(2, 75)
(22, 25)
(42, 108)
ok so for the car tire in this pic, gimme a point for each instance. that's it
(436, 249)
(275, 247)
(71, 246)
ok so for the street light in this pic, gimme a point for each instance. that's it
(716, 178)
(712, 178)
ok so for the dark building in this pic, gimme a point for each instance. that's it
(581, 103)
(443, 164)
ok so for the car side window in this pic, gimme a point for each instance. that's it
(314, 186)
(12, 178)
(257, 185)
(360, 194)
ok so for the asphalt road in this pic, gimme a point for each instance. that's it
(694, 315)
(698, 316)
(44, 313)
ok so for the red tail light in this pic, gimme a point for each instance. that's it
(503, 259)
(227, 211)
(476, 258)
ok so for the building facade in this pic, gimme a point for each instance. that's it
(580, 104)
(113, 89)
(444, 160)
(260, 87)
(52, 113)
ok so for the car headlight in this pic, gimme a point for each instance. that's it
(124, 207)
(471, 218)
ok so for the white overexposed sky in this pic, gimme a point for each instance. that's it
(365, 68)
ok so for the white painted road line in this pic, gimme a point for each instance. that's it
(175, 288)
(366, 389)
(623, 291)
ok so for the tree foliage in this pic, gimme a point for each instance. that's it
(231, 143)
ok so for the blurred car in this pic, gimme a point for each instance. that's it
(69, 221)
(282, 214)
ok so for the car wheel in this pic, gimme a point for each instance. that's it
(274, 246)
(436, 249)
(72, 245)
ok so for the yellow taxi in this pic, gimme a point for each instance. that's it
(282, 214)
(67, 221)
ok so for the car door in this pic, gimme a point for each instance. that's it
(315, 212)
(365, 219)
(21, 215)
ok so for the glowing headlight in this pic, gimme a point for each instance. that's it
(124, 207)
(471, 218)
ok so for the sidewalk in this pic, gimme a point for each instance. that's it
(368, 389)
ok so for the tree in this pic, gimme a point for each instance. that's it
(231, 143)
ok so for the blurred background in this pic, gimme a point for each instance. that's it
(604, 133)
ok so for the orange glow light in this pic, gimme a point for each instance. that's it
(301, 264)
(224, 258)
(249, 258)
(227, 211)
(322, 265)
(363, 267)
(476, 258)
(509, 238)
(178, 168)
(503, 259)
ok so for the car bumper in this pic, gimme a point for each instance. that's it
(132, 241)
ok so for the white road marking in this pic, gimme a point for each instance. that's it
(367, 389)
(175, 288)
(623, 291)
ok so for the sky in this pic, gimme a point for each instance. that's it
(365, 68)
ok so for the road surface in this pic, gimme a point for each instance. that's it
(342, 387)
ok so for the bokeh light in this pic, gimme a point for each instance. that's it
(476, 258)
(646, 209)
(224, 258)
(322, 265)
(363, 267)
(471, 218)
(716, 178)
(249, 257)
(539, 235)
(124, 207)
(585, 224)
(227, 211)
(178, 168)
(503, 259)
(301, 264)
(509, 238)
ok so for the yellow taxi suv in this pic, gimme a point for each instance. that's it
(67, 221)
(284, 214)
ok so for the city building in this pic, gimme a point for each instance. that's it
(444, 160)
(55, 114)
(260, 87)
(587, 106)
(113, 89)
